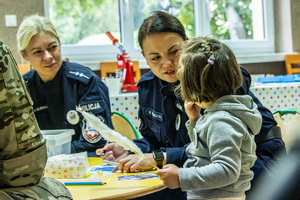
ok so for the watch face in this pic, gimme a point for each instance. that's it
(158, 155)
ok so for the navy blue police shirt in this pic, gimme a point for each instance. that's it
(74, 85)
(163, 117)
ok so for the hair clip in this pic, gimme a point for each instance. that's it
(211, 60)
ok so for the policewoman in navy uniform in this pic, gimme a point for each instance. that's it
(57, 87)
(163, 116)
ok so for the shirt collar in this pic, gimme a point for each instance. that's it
(167, 89)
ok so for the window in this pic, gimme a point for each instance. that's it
(78, 21)
(182, 9)
(244, 25)
(82, 27)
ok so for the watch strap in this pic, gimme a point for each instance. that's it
(158, 156)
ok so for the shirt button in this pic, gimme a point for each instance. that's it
(166, 141)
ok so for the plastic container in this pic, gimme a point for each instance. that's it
(58, 141)
(280, 79)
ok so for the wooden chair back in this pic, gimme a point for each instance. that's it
(291, 60)
(124, 126)
(290, 129)
(107, 68)
(23, 67)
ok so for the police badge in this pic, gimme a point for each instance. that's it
(73, 117)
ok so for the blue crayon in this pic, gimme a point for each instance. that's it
(85, 183)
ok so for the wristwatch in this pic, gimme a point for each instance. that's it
(158, 155)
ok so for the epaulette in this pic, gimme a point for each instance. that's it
(78, 72)
(147, 77)
(28, 76)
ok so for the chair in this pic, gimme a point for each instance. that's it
(124, 126)
(107, 68)
(289, 130)
(290, 61)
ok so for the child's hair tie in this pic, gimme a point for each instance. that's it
(211, 60)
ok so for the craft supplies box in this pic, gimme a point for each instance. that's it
(58, 141)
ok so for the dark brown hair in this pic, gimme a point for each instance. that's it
(160, 22)
(207, 70)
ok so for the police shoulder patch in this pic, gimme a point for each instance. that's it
(90, 134)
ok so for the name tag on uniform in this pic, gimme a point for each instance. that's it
(40, 108)
(155, 115)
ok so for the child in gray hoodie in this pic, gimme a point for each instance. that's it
(222, 148)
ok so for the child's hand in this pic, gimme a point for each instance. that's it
(192, 110)
(169, 175)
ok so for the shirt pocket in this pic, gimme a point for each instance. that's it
(152, 122)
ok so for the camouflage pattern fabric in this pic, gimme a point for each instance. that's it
(22, 147)
(46, 189)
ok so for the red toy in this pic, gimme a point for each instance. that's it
(126, 67)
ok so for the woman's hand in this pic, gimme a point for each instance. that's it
(192, 110)
(131, 163)
(112, 152)
(169, 175)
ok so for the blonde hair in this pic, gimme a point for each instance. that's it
(32, 25)
(207, 70)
